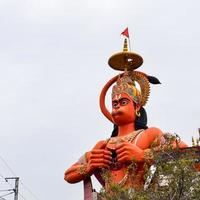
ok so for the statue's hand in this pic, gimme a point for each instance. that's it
(127, 152)
(98, 158)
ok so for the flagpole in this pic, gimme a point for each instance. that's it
(126, 34)
(129, 41)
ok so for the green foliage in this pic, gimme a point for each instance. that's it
(175, 178)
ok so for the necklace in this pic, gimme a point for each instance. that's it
(127, 138)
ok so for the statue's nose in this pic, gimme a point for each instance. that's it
(117, 107)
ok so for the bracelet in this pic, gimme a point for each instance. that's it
(83, 169)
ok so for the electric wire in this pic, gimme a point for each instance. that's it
(13, 173)
(21, 196)
(6, 194)
(29, 190)
(6, 190)
(7, 165)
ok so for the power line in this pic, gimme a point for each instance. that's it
(22, 196)
(6, 194)
(13, 173)
(6, 190)
(7, 165)
(29, 190)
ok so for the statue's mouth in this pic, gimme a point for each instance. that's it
(116, 112)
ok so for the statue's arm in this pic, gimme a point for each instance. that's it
(93, 160)
(74, 173)
(141, 152)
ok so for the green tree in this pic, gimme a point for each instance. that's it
(176, 178)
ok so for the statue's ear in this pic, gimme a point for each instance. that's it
(137, 107)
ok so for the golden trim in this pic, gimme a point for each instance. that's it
(142, 80)
(83, 169)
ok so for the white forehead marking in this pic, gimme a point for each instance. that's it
(117, 96)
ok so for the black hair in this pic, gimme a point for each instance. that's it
(140, 122)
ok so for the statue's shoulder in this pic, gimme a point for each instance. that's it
(154, 130)
(153, 133)
(100, 144)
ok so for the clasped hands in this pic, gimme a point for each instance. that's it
(103, 157)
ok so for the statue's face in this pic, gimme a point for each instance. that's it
(123, 109)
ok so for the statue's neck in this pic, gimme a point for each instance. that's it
(125, 129)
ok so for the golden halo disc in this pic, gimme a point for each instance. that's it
(125, 60)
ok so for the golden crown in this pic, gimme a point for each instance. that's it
(126, 84)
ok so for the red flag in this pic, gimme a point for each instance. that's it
(125, 33)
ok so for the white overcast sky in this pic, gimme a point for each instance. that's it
(53, 64)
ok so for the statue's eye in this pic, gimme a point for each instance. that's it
(124, 102)
(114, 104)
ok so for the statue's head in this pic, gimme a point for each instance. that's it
(126, 100)
(124, 109)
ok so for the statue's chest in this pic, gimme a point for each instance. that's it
(112, 145)
(114, 141)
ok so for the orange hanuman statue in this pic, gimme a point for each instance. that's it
(131, 139)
